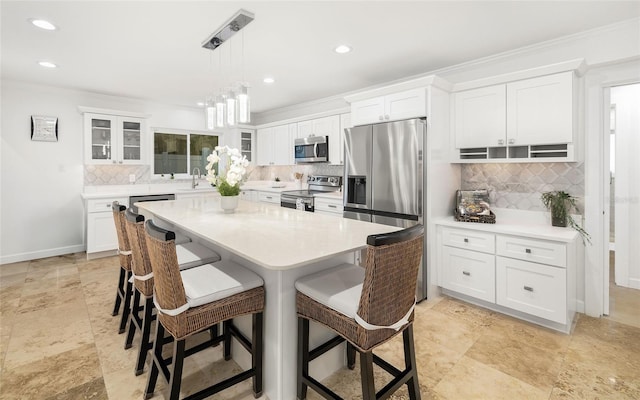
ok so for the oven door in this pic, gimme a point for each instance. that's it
(296, 203)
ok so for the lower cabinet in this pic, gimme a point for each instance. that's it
(328, 206)
(529, 278)
(269, 197)
(101, 228)
(249, 195)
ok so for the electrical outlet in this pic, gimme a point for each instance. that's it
(132, 178)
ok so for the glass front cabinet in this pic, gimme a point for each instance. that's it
(114, 139)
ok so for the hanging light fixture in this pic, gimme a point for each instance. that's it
(210, 114)
(232, 106)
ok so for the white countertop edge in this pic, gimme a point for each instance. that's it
(529, 227)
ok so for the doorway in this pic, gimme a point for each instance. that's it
(624, 204)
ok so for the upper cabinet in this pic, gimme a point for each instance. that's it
(391, 107)
(325, 126)
(114, 139)
(524, 120)
(275, 146)
(243, 140)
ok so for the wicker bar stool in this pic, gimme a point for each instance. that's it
(194, 300)
(124, 290)
(366, 307)
(189, 255)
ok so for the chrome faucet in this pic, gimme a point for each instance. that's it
(193, 177)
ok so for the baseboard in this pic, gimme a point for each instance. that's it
(634, 283)
(34, 255)
(580, 306)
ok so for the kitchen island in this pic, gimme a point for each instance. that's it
(281, 245)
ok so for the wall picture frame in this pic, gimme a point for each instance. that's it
(44, 128)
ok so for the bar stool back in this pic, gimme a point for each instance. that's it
(196, 299)
(125, 289)
(366, 307)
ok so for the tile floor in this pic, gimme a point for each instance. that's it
(59, 341)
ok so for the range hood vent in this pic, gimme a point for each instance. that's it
(238, 21)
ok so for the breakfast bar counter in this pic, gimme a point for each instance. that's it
(281, 245)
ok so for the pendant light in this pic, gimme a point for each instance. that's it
(231, 108)
(210, 114)
(244, 108)
(221, 108)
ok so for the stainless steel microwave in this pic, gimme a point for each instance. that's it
(311, 149)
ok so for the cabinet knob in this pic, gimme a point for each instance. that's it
(512, 141)
(528, 251)
(467, 273)
(120, 162)
(528, 288)
(386, 116)
(108, 205)
(114, 161)
(466, 240)
(500, 141)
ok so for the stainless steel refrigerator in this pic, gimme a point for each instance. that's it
(383, 177)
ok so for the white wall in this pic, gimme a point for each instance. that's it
(41, 211)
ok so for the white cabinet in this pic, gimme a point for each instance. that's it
(275, 146)
(345, 123)
(113, 139)
(101, 228)
(530, 278)
(392, 107)
(249, 195)
(480, 117)
(540, 110)
(269, 197)
(326, 126)
(244, 140)
(528, 119)
(327, 206)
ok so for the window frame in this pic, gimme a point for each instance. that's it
(187, 133)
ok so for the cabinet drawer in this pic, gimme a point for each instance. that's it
(469, 239)
(332, 206)
(469, 272)
(542, 251)
(269, 197)
(104, 205)
(532, 288)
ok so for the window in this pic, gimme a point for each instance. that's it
(179, 153)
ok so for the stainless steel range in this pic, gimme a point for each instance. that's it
(303, 199)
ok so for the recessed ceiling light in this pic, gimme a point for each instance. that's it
(342, 49)
(47, 64)
(42, 24)
(200, 104)
(268, 80)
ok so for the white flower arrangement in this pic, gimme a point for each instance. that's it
(233, 175)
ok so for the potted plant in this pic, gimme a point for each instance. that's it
(229, 179)
(560, 204)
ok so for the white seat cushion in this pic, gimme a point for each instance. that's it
(193, 254)
(338, 288)
(212, 282)
(182, 239)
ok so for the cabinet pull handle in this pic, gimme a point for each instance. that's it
(466, 240)
(500, 141)
(467, 273)
(331, 206)
(512, 141)
(528, 251)
(108, 205)
(386, 116)
(528, 288)
(269, 197)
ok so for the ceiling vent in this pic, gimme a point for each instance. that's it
(238, 21)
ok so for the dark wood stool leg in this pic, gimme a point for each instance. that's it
(145, 343)
(366, 375)
(119, 293)
(176, 373)
(351, 356)
(303, 356)
(127, 303)
(410, 363)
(213, 333)
(226, 330)
(155, 359)
(256, 350)
(130, 320)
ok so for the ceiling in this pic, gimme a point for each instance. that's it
(152, 49)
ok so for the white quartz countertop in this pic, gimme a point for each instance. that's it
(516, 222)
(271, 236)
(179, 186)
